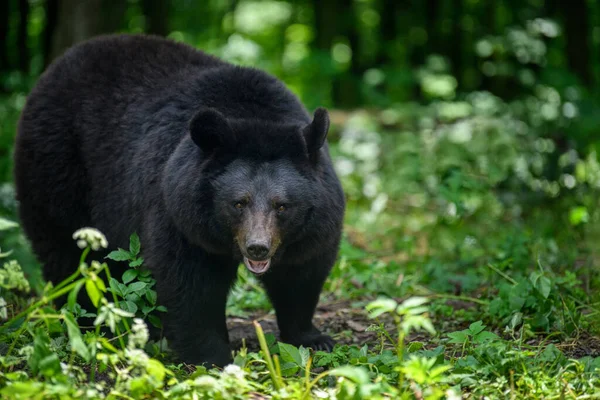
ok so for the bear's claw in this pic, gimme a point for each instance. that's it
(317, 342)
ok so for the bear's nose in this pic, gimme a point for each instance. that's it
(258, 252)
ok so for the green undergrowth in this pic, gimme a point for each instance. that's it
(45, 354)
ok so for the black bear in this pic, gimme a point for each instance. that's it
(211, 164)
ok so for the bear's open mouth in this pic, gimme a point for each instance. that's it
(257, 267)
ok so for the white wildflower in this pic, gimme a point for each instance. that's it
(25, 351)
(3, 309)
(90, 237)
(234, 371)
(205, 381)
(139, 334)
(137, 357)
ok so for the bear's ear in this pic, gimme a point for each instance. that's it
(210, 130)
(316, 132)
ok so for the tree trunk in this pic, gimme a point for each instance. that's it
(431, 26)
(577, 39)
(457, 40)
(417, 11)
(4, 18)
(113, 15)
(157, 16)
(389, 31)
(552, 8)
(489, 27)
(490, 8)
(22, 36)
(73, 21)
(335, 18)
(326, 16)
(51, 11)
(347, 89)
(76, 21)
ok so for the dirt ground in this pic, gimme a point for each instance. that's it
(338, 319)
(348, 326)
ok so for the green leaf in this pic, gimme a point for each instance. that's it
(156, 369)
(145, 273)
(459, 337)
(93, 292)
(155, 321)
(72, 298)
(515, 301)
(381, 306)
(43, 360)
(545, 285)
(134, 297)
(415, 346)
(414, 302)
(99, 282)
(439, 370)
(147, 309)
(476, 327)
(6, 224)
(304, 356)
(540, 321)
(137, 286)
(151, 296)
(134, 244)
(128, 306)
(119, 255)
(578, 215)
(516, 320)
(534, 276)
(289, 353)
(356, 374)
(136, 263)
(129, 275)
(23, 390)
(417, 322)
(541, 283)
(123, 289)
(75, 338)
(485, 336)
(6, 254)
(551, 354)
(364, 351)
(115, 287)
(289, 368)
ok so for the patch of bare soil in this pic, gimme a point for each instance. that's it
(581, 346)
(345, 324)
(348, 325)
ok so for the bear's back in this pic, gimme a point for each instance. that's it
(74, 134)
(113, 71)
(134, 61)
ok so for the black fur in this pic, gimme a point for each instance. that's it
(141, 134)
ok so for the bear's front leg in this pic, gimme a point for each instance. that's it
(195, 293)
(294, 291)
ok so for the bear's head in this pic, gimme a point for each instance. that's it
(251, 186)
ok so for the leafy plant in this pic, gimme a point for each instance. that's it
(136, 289)
(474, 335)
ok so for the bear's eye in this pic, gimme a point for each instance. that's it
(240, 204)
(280, 208)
